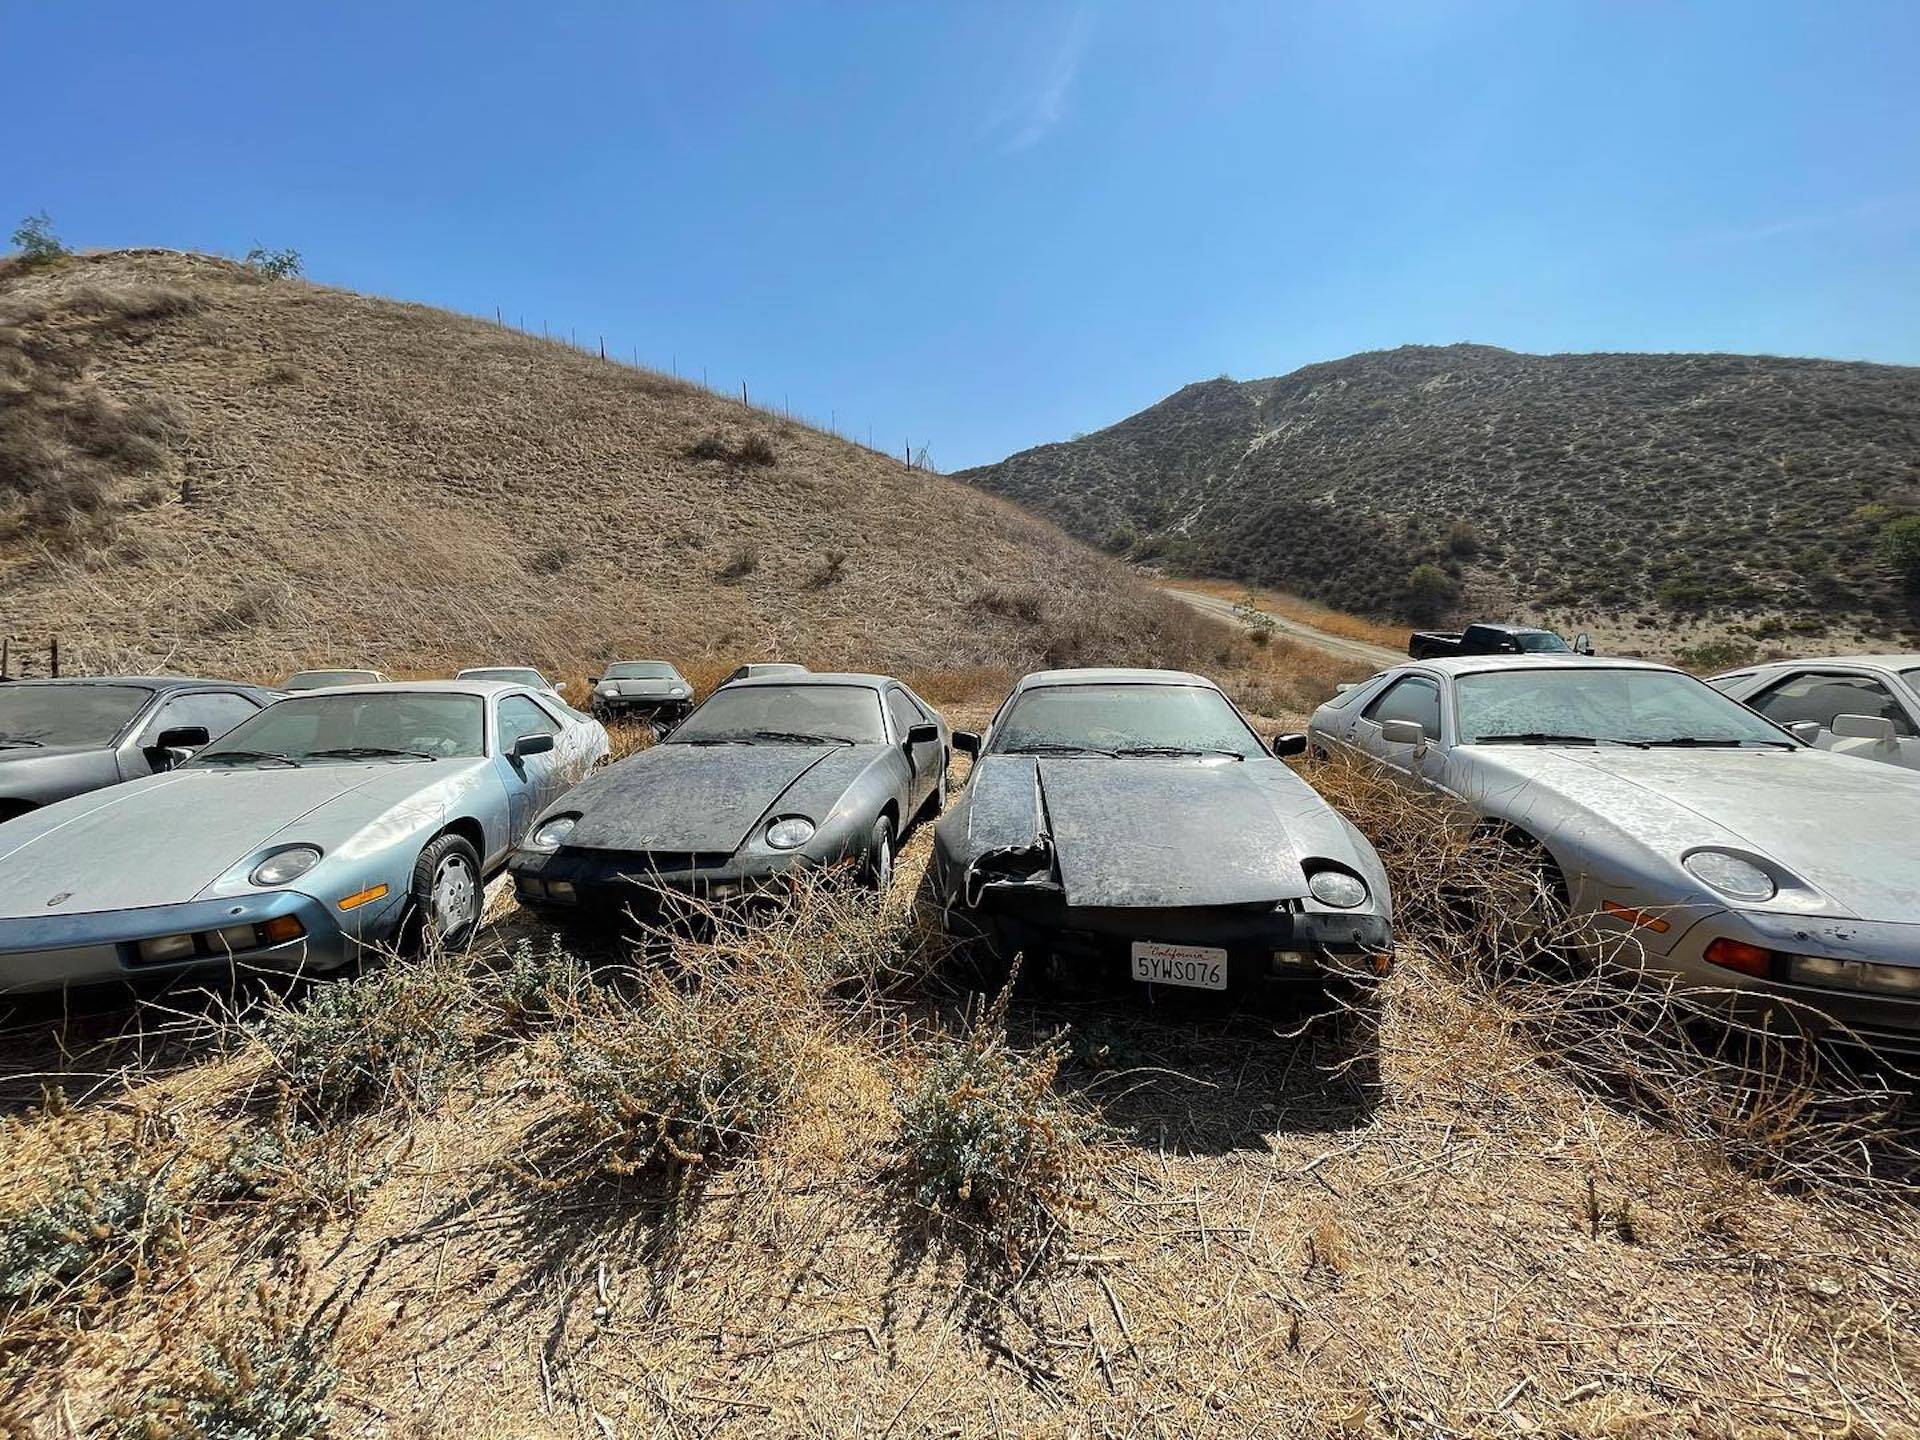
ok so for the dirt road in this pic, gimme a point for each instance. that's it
(1377, 655)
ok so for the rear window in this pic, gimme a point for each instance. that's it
(42, 715)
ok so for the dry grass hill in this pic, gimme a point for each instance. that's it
(206, 470)
(1661, 500)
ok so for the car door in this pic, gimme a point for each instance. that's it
(215, 711)
(1414, 697)
(924, 759)
(1820, 695)
(533, 781)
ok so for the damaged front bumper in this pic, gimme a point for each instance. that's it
(593, 885)
(1010, 900)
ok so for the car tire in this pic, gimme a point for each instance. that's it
(877, 874)
(447, 895)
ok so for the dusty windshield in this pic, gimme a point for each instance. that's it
(789, 714)
(1123, 719)
(322, 729)
(33, 716)
(1554, 705)
(640, 670)
(1542, 642)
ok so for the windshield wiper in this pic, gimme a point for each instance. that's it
(801, 738)
(707, 740)
(1052, 748)
(248, 755)
(1542, 737)
(1179, 750)
(369, 752)
(1693, 742)
(21, 742)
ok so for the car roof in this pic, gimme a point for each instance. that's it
(1510, 627)
(150, 682)
(668, 663)
(1475, 664)
(432, 687)
(1876, 662)
(483, 669)
(1111, 676)
(815, 677)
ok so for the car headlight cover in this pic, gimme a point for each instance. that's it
(285, 865)
(553, 834)
(789, 832)
(1730, 875)
(1337, 888)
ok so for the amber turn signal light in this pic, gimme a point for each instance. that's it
(1638, 919)
(282, 928)
(361, 897)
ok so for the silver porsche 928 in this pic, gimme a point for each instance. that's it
(1736, 855)
(331, 820)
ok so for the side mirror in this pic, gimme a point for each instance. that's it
(593, 679)
(1289, 747)
(531, 745)
(922, 735)
(1807, 730)
(184, 737)
(967, 742)
(1583, 644)
(1403, 732)
(1863, 727)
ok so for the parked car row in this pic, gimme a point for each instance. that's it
(1121, 824)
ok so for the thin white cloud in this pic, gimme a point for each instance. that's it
(1034, 114)
(1867, 214)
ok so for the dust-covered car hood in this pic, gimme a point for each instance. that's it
(687, 799)
(1158, 832)
(169, 838)
(1846, 826)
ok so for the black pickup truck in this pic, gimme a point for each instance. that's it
(1493, 640)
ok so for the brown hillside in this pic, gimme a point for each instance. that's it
(1657, 499)
(211, 471)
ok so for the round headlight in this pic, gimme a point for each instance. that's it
(1337, 888)
(553, 834)
(284, 865)
(789, 833)
(1739, 878)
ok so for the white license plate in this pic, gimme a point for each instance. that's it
(1198, 967)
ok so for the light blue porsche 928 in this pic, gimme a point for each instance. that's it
(330, 821)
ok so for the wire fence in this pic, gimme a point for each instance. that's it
(914, 456)
(22, 659)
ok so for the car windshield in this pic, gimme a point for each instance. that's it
(1542, 642)
(320, 679)
(1121, 718)
(507, 673)
(322, 729)
(785, 714)
(640, 670)
(32, 716)
(1569, 705)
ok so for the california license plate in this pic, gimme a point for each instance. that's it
(1198, 967)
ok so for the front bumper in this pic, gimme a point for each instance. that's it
(55, 952)
(663, 706)
(604, 885)
(1878, 1018)
(1092, 946)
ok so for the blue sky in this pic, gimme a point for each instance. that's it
(983, 227)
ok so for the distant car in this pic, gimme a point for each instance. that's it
(330, 821)
(1735, 855)
(1493, 640)
(326, 679)
(1863, 705)
(511, 675)
(643, 689)
(1131, 824)
(763, 671)
(768, 776)
(60, 738)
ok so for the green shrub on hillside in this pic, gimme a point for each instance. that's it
(1900, 543)
(36, 241)
(1431, 593)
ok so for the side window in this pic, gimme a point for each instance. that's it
(217, 710)
(1411, 698)
(520, 716)
(1821, 697)
(905, 713)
